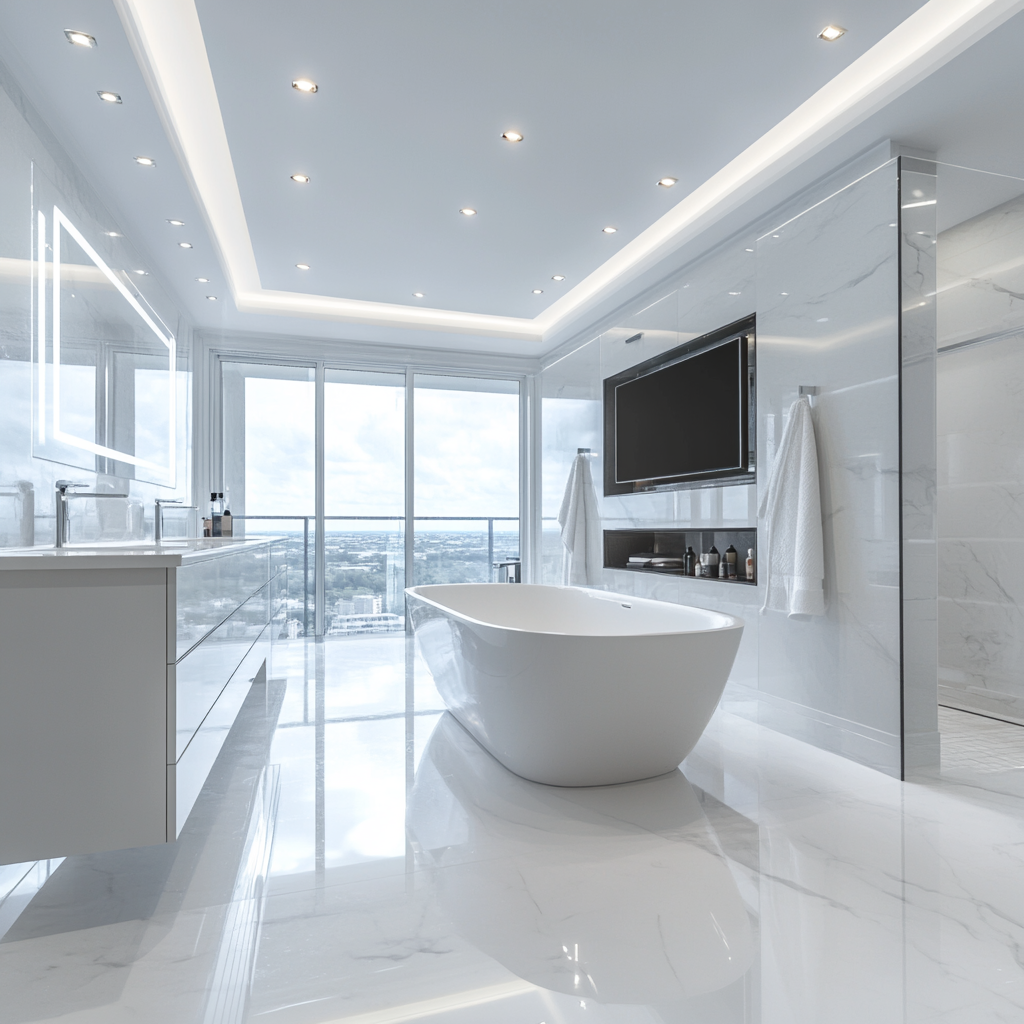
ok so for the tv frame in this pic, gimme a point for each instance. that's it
(745, 328)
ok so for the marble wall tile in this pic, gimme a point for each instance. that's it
(981, 500)
(828, 296)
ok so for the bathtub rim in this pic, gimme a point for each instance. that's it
(734, 622)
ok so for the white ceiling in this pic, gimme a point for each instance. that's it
(405, 130)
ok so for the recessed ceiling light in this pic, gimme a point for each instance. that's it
(145, 161)
(783, 293)
(108, 97)
(734, 293)
(212, 298)
(176, 223)
(185, 245)
(748, 250)
(304, 85)
(830, 33)
(302, 266)
(417, 295)
(302, 179)
(468, 211)
(112, 234)
(80, 38)
(538, 291)
(667, 182)
(141, 273)
(609, 231)
(822, 320)
(558, 277)
(512, 136)
(203, 280)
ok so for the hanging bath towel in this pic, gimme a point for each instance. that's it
(581, 527)
(791, 509)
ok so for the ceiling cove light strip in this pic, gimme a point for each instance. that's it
(167, 40)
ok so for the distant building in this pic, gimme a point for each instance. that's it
(369, 622)
(367, 604)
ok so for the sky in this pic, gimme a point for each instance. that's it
(466, 450)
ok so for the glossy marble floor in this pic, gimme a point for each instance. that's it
(356, 857)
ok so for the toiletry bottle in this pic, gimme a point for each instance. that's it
(730, 562)
(215, 515)
(750, 563)
(225, 520)
(690, 562)
(208, 527)
(713, 560)
(723, 569)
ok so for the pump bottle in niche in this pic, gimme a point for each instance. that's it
(729, 561)
(750, 563)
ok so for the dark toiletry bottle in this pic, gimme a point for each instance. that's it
(713, 559)
(730, 562)
(689, 562)
(215, 513)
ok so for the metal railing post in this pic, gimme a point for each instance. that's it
(490, 550)
(305, 576)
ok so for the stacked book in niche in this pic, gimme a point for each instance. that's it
(649, 560)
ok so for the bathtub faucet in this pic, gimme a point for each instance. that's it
(509, 572)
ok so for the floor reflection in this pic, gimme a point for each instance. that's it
(619, 894)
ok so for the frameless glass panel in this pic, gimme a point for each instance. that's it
(466, 477)
(364, 502)
(269, 443)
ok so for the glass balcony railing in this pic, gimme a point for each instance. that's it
(365, 573)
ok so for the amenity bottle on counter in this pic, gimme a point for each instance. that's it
(750, 563)
(226, 527)
(690, 562)
(215, 515)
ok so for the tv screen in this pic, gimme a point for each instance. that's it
(683, 418)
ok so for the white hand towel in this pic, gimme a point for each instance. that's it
(581, 528)
(791, 509)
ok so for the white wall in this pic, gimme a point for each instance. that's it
(836, 680)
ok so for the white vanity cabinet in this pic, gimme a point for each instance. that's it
(121, 671)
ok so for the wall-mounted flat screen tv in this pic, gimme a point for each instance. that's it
(684, 418)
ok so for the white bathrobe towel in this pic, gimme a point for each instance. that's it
(581, 527)
(791, 509)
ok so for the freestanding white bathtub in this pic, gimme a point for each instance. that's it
(575, 687)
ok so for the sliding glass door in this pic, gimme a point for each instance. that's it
(378, 479)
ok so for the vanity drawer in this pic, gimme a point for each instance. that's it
(195, 683)
(186, 777)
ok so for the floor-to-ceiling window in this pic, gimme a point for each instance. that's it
(466, 477)
(269, 469)
(364, 501)
(377, 478)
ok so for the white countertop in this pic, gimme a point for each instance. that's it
(168, 554)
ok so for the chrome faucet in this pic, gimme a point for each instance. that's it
(63, 519)
(158, 515)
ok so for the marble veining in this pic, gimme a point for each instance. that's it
(356, 857)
